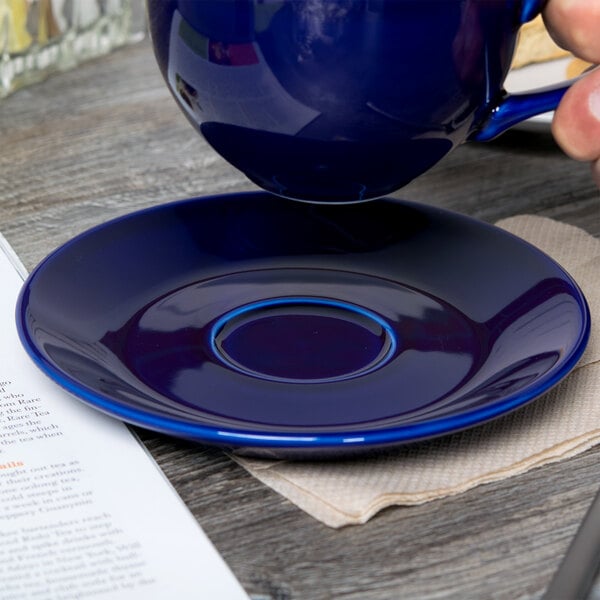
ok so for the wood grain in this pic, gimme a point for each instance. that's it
(94, 143)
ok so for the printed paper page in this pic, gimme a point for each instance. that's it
(84, 510)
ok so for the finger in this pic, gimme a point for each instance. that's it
(576, 124)
(574, 25)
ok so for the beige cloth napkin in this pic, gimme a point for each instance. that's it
(564, 422)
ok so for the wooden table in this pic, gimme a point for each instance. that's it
(106, 139)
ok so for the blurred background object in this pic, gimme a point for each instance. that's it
(38, 37)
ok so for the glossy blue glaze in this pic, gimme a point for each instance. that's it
(340, 100)
(326, 339)
(530, 8)
(514, 108)
(296, 329)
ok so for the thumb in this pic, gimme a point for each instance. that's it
(576, 124)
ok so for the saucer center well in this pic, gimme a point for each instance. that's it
(303, 340)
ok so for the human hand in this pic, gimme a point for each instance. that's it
(575, 25)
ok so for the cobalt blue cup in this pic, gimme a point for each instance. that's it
(342, 100)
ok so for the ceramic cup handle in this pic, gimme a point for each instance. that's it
(514, 108)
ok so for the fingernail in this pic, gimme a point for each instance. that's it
(594, 103)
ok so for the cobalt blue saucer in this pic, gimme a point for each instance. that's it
(289, 329)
